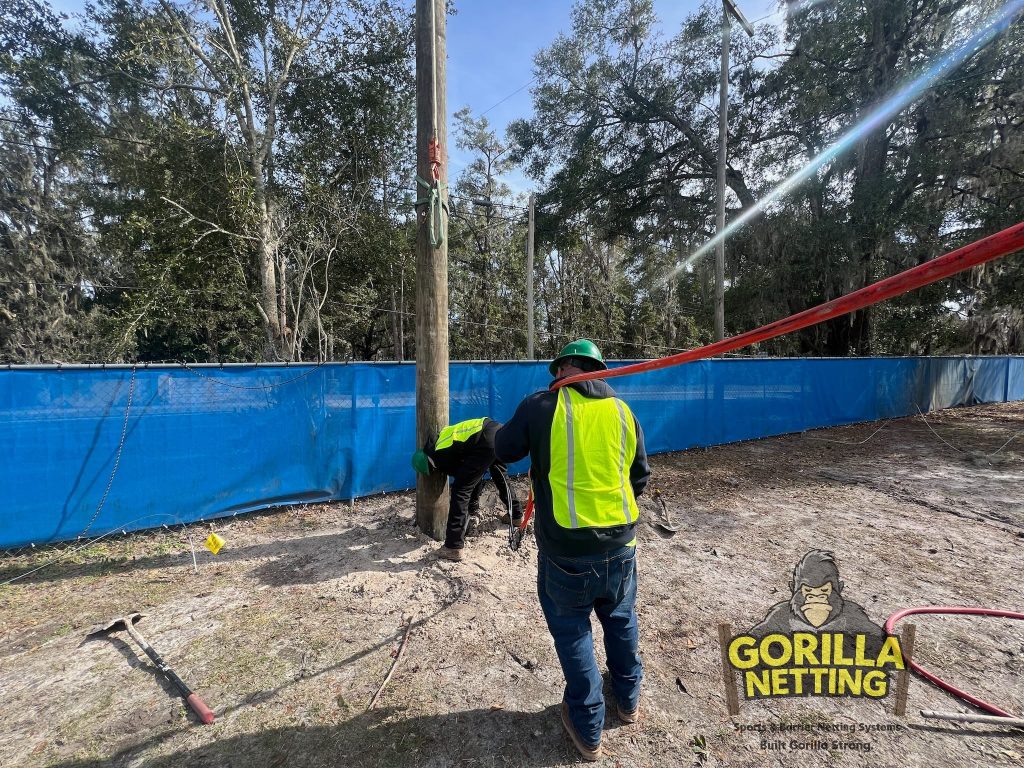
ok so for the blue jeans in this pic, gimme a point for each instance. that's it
(570, 588)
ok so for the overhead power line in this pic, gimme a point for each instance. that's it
(506, 98)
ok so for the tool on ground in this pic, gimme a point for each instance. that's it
(517, 532)
(963, 717)
(127, 623)
(515, 537)
(668, 526)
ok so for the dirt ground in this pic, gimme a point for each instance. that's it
(290, 630)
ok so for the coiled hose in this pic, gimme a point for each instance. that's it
(961, 611)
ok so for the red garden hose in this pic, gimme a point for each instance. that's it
(942, 609)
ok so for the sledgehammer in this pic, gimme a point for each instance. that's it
(127, 623)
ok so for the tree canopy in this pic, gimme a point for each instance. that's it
(215, 180)
(623, 139)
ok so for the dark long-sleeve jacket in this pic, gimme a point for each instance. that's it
(529, 432)
(478, 449)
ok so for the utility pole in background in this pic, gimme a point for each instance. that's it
(728, 8)
(529, 280)
(431, 256)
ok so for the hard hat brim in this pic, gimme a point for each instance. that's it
(420, 463)
(553, 367)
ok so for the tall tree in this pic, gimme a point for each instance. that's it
(621, 135)
(901, 194)
(488, 241)
(202, 155)
(625, 139)
(248, 51)
(49, 263)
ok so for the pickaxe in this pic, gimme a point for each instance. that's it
(127, 623)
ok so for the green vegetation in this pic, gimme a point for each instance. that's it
(233, 181)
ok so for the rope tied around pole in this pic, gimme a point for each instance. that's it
(437, 207)
(434, 154)
(436, 202)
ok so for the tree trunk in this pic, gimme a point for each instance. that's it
(269, 294)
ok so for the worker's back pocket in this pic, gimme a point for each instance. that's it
(622, 577)
(568, 585)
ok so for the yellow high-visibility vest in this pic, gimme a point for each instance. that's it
(458, 433)
(593, 443)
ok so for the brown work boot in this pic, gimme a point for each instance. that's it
(448, 553)
(590, 754)
(627, 717)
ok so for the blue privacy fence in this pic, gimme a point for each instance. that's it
(210, 441)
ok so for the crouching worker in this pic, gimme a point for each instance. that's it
(465, 451)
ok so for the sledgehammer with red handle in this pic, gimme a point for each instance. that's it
(128, 624)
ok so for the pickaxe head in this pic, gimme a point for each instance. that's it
(118, 624)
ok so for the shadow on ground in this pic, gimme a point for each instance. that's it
(303, 559)
(374, 740)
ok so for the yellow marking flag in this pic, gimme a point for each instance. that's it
(214, 543)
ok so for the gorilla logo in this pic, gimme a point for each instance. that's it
(816, 643)
(817, 603)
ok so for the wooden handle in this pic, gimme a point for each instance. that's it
(200, 708)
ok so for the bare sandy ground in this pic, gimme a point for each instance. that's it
(289, 631)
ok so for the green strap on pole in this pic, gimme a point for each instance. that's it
(437, 230)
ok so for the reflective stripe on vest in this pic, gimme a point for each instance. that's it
(458, 433)
(593, 443)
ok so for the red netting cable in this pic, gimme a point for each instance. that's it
(995, 246)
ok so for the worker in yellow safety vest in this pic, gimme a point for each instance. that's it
(588, 465)
(465, 451)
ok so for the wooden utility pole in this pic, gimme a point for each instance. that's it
(728, 9)
(431, 256)
(529, 280)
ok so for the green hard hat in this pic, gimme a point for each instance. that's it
(579, 348)
(420, 462)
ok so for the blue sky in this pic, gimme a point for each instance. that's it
(491, 45)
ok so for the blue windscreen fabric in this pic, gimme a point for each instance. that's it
(89, 450)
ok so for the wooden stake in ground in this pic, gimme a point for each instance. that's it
(431, 256)
(903, 676)
(728, 675)
(394, 665)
